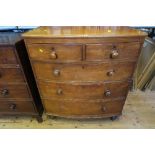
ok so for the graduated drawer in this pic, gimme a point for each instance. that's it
(7, 55)
(16, 106)
(55, 52)
(102, 90)
(112, 51)
(14, 91)
(83, 107)
(87, 72)
(11, 75)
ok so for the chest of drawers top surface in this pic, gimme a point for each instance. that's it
(83, 32)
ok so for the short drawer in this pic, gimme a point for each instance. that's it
(7, 55)
(87, 72)
(55, 52)
(97, 52)
(14, 91)
(102, 90)
(83, 107)
(11, 75)
(16, 107)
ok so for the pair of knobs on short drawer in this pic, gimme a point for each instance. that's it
(114, 54)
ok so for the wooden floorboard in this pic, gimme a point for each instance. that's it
(139, 112)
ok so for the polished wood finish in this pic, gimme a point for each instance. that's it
(54, 52)
(113, 51)
(83, 31)
(85, 90)
(83, 72)
(84, 108)
(17, 107)
(16, 97)
(14, 91)
(11, 73)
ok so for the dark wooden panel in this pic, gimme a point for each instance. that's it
(16, 106)
(25, 63)
(7, 55)
(86, 90)
(14, 91)
(11, 75)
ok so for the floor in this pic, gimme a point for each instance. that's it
(139, 112)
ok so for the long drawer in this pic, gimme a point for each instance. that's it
(83, 107)
(84, 72)
(103, 90)
(112, 51)
(16, 107)
(14, 91)
(7, 55)
(55, 52)
(11, 75)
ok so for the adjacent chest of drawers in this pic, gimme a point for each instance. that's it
(17, 84)
(83, 72)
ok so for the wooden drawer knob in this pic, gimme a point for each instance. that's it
(56, 72)
(13, 106)
(59, 91)
(53, 55)
(114, 54)
(107, 93)
(5, 92)
(104, 109)
(110, 73)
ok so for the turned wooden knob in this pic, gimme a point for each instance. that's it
(59, 91)
(110, 73)
(107, 93)
(53, 55)
(114, 54)
(56, 72)
(5, 92)
(104, 109)
(13, 106)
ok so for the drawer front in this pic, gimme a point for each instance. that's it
(16, 107)
(83, 107)
(89, 72)
(7, 55)
(83, 91)
(55, 52)
(96, 52)
(14, 91)
(11, 75)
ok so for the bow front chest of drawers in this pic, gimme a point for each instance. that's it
(83, 72)
(18, 91)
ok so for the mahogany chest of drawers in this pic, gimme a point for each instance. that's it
(18, 91)
(83, 72)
